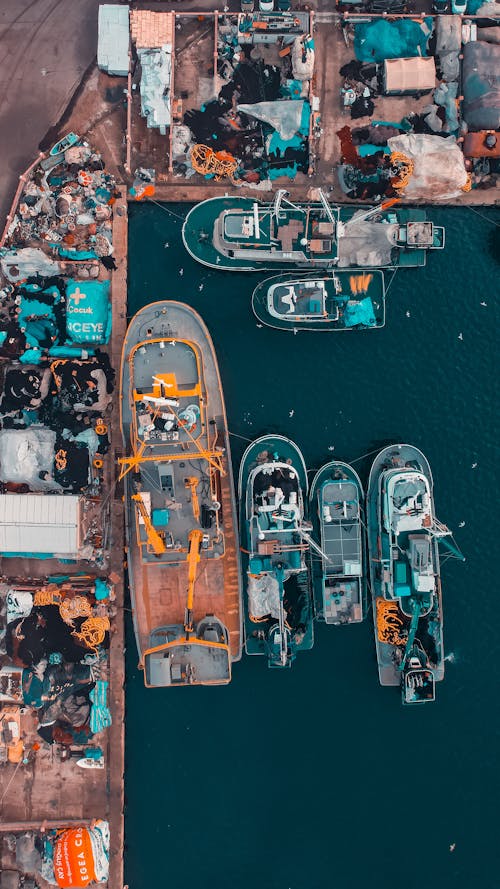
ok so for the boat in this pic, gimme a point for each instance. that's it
(336, 301)
(55, 155)
(236, 233)
(272, 491)
(403, 545)
(180, 508)
(336, 507)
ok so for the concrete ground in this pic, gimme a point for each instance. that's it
(45, 47)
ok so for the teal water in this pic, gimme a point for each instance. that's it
(317, 778)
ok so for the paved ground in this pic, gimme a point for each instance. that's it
(45, 47)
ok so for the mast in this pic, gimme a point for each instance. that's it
(442, 533)
(326, 204)
(312, 543)
(281, 619)
(417, 608)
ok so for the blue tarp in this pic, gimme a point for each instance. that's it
(360, 313)
(88, 312)
(100, 716)
(401, 39)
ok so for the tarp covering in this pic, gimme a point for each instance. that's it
(284, 116)
(438, 171)
(448, 45)
(25, 262)
(359, 313)
(263, 596)
(81, 856)
(367, 243)
(401, 39)
(88, 311)
(448, 33)
(409, 75)
(303, 58)
(481, 85)
(27, 453)
(156, 73)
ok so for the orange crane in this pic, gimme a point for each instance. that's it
(195, 537)
(155, 542)
(192, 483)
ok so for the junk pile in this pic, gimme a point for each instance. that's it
(57, 635)
(417, 156)
(257, 129)
(55, 314)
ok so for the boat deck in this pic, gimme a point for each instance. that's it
(179, 491)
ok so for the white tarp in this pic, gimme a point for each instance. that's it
(302, 58)
(25, 453)
(25, 262)
(284, 116)
(439, 172)
(263, 596)
(366, 243)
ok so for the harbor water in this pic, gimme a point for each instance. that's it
(316, 777)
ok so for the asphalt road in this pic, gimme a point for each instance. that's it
(45, 46)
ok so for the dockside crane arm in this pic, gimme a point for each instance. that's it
(195, 537)
(192, 483)
(154, 541)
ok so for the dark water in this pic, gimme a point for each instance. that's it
(317, 778)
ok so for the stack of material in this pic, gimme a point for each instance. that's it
(113, 39)
(151, 29)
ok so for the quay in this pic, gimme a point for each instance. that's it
(42, 788)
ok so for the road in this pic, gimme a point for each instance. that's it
(45, 47)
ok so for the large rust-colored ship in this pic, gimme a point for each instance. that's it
(183, 556)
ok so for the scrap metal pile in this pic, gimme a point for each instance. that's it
(257, 128)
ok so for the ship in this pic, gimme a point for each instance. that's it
(272, 491)
(236, 233)
(335, 301)
(338, 558)
(403, 544)
(180, 507)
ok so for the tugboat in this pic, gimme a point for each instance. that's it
(272, 491)
(180, 510)
(403, 541)
(339, 301)
(336, 503)
(241, 234)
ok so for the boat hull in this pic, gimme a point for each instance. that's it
(258, 634)
(430, 627)
(199, 236)
(368, 295)
(158, 585)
